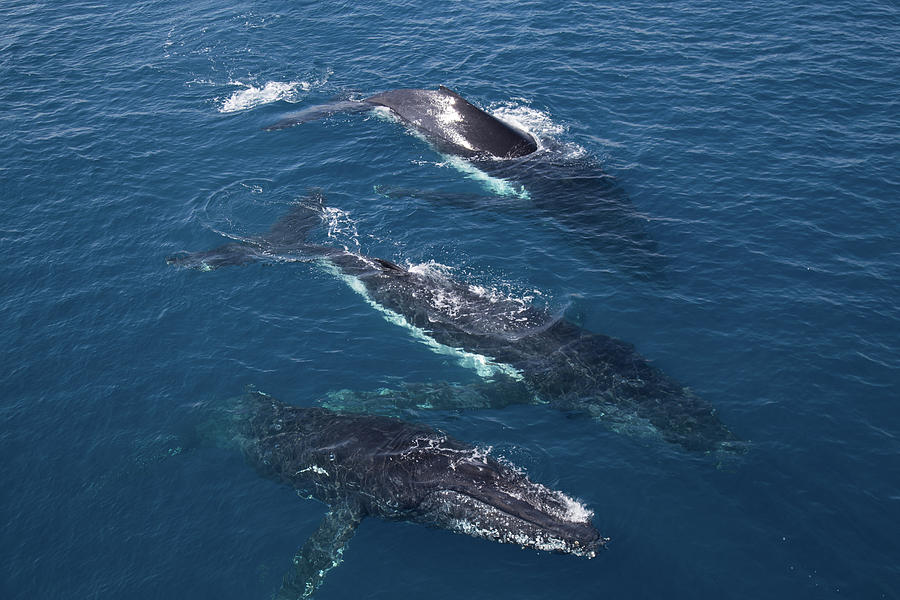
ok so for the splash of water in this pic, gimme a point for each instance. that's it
(252, 96)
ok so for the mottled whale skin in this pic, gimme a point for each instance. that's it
(452, 122)
(364, 465)
(548, 360)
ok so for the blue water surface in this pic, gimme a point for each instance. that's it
(758, 144)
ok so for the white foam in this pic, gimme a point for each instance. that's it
(573, 511)
(251, 96)
(495, 296)
(548, 543)
(503, 529)
(441, 299)
(537, 123)
(515, 309)
(576, 512)
(340, 225)
(432, 268)
(314, 469)
(484, 366)
(540, 125)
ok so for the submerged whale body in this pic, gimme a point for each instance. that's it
(454, 123)
(363, 465)
(589, 205)
(549, 360)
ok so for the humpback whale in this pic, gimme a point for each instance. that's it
(588, 204)
(452, 122)
(555, 361)
(363, 465)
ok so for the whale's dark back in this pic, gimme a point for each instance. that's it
(332, 455)
(455, 122)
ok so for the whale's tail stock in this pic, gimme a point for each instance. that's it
(317, 112)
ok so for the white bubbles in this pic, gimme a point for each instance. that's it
(484, 308)
(251, 96)
(341, 227)
(576, 512)
(529, 119)
(540, 125)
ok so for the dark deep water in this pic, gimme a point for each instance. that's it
(751, 149)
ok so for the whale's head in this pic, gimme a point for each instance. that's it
(483, 497)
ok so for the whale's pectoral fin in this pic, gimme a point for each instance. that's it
(459, 200)
(498, 392)
(287, 236)
(321, 552)
(226, 255)
(320, 111)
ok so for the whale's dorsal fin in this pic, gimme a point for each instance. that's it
(446, 90)
(388, 266)
(321, 552)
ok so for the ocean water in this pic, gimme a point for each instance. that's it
(756, 144)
